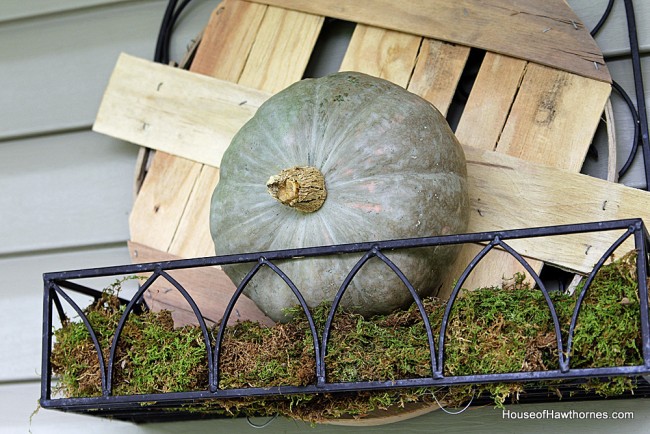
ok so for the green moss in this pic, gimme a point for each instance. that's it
(491, 330)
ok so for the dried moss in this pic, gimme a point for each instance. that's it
(491, 330)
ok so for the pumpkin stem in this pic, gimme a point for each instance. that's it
(302, 188)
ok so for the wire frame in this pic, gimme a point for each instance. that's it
(58, 285)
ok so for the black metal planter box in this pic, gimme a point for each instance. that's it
(60, 285)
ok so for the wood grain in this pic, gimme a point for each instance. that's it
(437, 72)
(513, 193)
(227, 39)
(383, 53)
(192, 238)
(162, 200)
(133, 109)
(490, 100)
(554, 117)
(278, 55)
(546, 32)
(281, 49)
(262, 46)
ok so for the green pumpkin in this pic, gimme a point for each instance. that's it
(341, 159)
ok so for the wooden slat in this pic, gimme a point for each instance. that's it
(383, 53)
(554, 117)
(162, 200)
(490, 100)
(192, 237)
(210, 289)
(437, 72)
(175, 195)
(281, 49)
(227, 39)
(512, 193)
(131, 99)
(278, 57)
(545, 32)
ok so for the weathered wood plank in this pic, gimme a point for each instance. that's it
(210, 289)
(281, 49)
(162, 200)
(192, 238)
(131, 98)
(227, 38)
(554, 117)
(512, 193)
(547, 32)
(437, 72)
(490, 101)
(292, 36)
(227, 42)
(383, 53)
(184, 228)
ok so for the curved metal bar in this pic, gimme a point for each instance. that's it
(59, 307)
(199, 318)
(305, 308)
(262, 261)
(585, 287)
(563, 358)
(603, 18)
(637, 72)
(637, 128)
(120, 326)
(91, 331)
(214, 384)
(450, 305)
(335, 304)
(418, 302)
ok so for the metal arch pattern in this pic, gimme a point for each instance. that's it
(120, 326)
(91, 331)
(418, 302)
(585, 288)
(199, 319)
(450, 304)
(303, 305)
(109, 402)
(563, 360)
(262, 261)
(372, 253)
